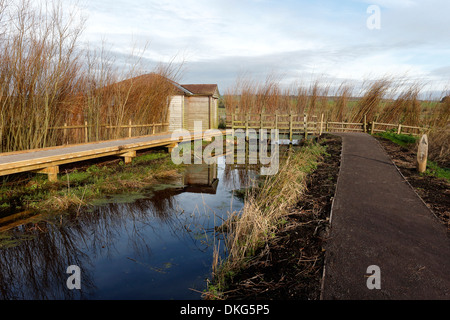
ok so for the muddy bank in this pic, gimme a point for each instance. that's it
(435, 192)
(290, 266)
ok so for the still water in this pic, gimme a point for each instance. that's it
(157, 245)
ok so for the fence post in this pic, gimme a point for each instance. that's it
(399, 130)
(321, 125)
(290, 127)
(305, 125)
(233, 117)
(261, 120)
(365, 123)
(65, 133)
(129, 129)
(372, 127)
(86, 132)
(276, 119)
(246, 126)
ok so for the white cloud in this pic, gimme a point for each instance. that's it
(291, 36)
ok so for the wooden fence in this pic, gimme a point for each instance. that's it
(88, 133)
(75, 134)
(296, 124)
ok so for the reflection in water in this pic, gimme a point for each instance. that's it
(157, 247)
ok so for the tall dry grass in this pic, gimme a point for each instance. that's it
(439, 136)
(39, 71)
(343, 94)
(266, 204)
(48, 78)
(388, 99)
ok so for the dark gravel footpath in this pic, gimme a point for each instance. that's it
(378, 220)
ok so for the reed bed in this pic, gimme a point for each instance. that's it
(388, 99)
(266, 204)
(385, 100)
(48, 78)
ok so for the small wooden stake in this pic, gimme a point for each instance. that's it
(422, 154)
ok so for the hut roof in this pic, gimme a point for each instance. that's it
(202, 89)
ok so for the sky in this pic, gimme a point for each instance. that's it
(300, 41)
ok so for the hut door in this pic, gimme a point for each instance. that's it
(196, 109)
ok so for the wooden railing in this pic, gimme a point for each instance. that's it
(75, 134)
(302, 124)
(87, 133)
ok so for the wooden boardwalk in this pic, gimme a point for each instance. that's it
(48, 160)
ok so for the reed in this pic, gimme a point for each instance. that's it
(341, 103)
(48, 79)
(388, 100)
(266, 203)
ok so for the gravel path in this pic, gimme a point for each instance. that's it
(378, 220)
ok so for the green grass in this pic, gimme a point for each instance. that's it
(403, 140)
(434, 170)
(81, 187)
(407, 141)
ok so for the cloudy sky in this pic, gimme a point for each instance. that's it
(298, 40)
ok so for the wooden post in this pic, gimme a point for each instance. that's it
(326, 126)
(129, 129)
(85, 132)
(246, 126)
(321, 125)
(233, 117)
(422, 154)
(290, 127)
(365, 123)
(51, 172)
(276, 119)
(153, 128)
(399, 130)
(261, 121)
(128, 156)
(372, 127)
(305, 125)
(65, 134)
(172, 146)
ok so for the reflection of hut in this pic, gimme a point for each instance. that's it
(201, 178)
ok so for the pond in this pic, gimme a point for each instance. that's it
(156, 245)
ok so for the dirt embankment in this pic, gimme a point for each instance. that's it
(435, 192)
(290, 266)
